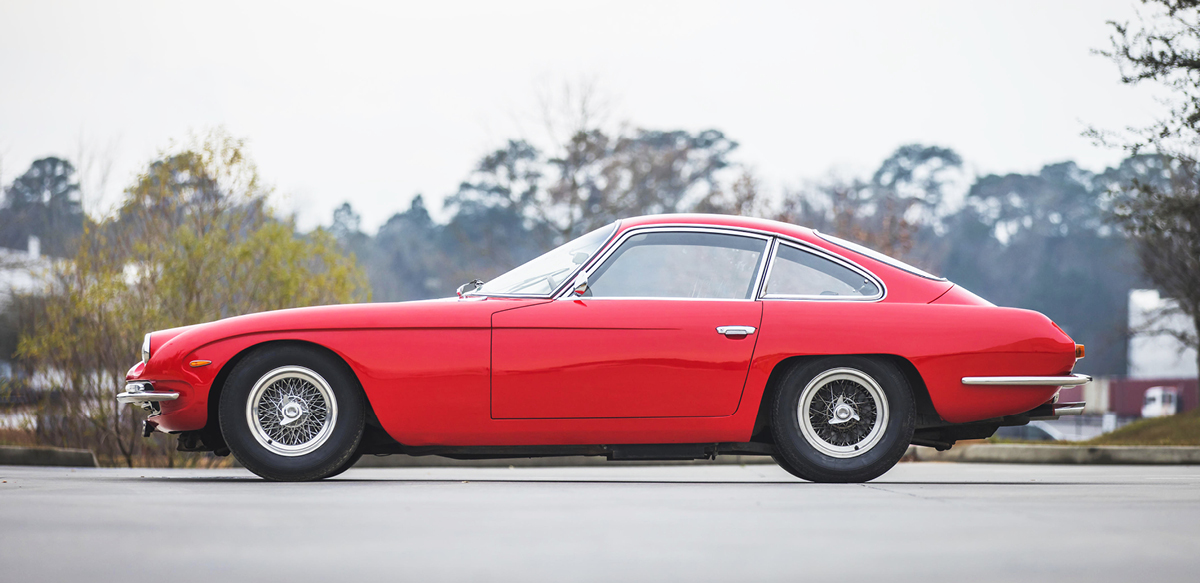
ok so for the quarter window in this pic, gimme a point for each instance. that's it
(795, 272)
(680, 265)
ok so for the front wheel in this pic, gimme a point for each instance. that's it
(842, 419)
(290, 413)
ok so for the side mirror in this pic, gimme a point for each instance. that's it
(474, 284)
(580, 286)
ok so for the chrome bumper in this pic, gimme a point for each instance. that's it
(143, 395)
(1071, 380)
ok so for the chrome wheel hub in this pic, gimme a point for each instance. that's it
(291, 411)
(842, 412)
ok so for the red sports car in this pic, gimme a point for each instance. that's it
(654, 338)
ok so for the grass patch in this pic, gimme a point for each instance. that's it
(1181, 429)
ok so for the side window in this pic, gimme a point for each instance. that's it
(680, 265)
(795, 272)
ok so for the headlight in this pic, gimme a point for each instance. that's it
(146, 349)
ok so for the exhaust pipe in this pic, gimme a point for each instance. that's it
(1068, 408)
(1053, 411)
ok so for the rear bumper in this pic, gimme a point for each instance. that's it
(1049, 410)
(1070, 380)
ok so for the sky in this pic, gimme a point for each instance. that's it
(373, 103)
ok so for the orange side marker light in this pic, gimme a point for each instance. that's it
(1079, 351)
(200, 363)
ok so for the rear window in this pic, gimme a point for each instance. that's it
(877, 256)
(799, 273)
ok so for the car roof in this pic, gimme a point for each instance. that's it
(902, 285)
(782, 228)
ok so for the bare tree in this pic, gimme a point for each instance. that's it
(1165, 222)
(1162, 213)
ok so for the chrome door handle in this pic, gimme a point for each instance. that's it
(735, 331)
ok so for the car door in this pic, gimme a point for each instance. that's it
(666, 328)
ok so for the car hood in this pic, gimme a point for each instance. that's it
(473, 312)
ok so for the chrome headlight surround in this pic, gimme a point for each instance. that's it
(146, 349)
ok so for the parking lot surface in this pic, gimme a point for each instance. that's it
(921, 521)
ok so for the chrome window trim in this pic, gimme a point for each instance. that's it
(599, 260)
(808, 248)
(784, 238)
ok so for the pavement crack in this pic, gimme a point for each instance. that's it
(909, 494)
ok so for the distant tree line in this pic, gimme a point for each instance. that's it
(1044, 241)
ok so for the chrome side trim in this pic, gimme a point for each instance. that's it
(1070, 380)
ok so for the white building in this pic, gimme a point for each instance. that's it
(1159, 356)
(20, 272)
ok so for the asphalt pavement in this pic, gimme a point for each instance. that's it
(921, 521)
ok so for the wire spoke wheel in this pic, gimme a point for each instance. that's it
(291, 411)
(842, 412)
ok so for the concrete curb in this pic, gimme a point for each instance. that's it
(11, 455)
(1011, 453)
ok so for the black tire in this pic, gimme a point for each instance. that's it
(349, 464)
(810, 457)
(341, 427)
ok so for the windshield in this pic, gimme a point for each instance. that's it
(877, 256)
(543, 275)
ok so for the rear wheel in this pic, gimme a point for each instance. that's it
(842, 419)
(349, 464)
(290, 413)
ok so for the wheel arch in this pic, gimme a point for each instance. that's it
(926, 414)
(211, 433)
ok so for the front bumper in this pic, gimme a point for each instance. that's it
(142, 394)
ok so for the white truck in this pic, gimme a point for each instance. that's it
(1160, 402)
